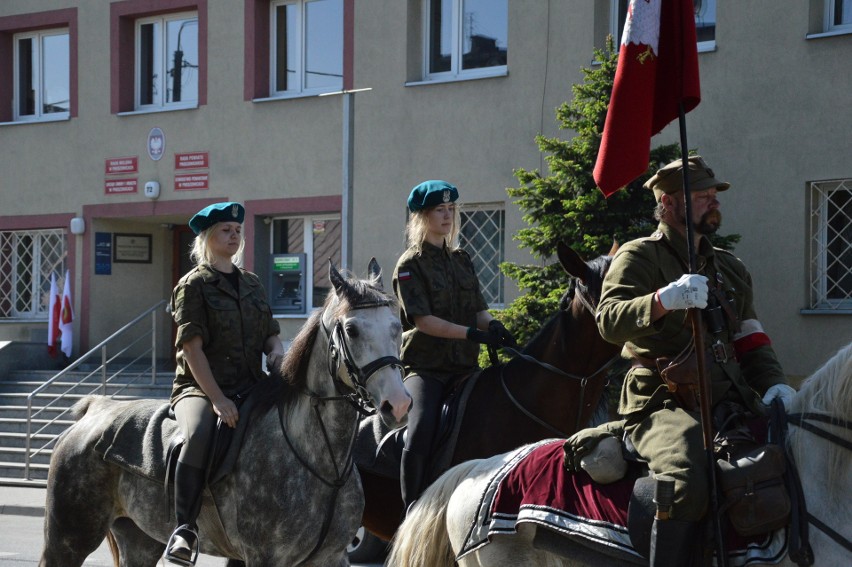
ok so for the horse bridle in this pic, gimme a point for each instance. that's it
(357, 396)
(589, 305)
(802, 420)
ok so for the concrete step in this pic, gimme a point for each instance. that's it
(39, 412)
(18, 454)
(19, 440)
(133, 390)
(41, 425)
(16, 471)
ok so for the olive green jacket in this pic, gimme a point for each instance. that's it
(638, 270)
(233, 329)
(434, 281)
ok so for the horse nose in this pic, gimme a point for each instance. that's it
(397, 407)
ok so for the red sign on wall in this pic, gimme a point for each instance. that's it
(191, 182)
(193, 160)
(119, 186)
(121, 165)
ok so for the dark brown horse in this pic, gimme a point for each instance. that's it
(522, 401)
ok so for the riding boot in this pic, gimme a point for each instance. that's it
(673, 543)
(182, 547)
(412, 471)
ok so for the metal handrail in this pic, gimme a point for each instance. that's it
(102, 369)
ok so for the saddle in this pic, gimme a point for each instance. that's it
(378, 449)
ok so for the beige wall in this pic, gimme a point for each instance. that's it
(774, 115)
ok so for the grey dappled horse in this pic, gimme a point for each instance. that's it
(291, 498)
(818, 440)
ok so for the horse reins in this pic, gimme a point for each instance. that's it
(584, 380)
(801, 420)
(339, 350)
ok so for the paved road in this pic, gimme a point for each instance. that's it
(22, 535)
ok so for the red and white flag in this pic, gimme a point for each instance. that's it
(657, 70)
(66, 319)
(53, 309)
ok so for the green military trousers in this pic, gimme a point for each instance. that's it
(671, 441)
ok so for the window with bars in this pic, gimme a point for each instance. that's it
(831, 245)
(27, 260)
(482, 235)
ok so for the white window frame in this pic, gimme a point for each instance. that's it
(820, 229)
(616, 19)
(162, 64)
(457, 37)
(499, 209)
(37, 271)
(308, 239)
(299, 89)
(830, 26)
(38, 77)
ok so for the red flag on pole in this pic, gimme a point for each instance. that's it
(657, 70)
(66, 327)
(53, 311)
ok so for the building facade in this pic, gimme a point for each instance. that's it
(120, 119)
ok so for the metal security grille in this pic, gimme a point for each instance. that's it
(482, 236)
(831, 245)
(27, 259)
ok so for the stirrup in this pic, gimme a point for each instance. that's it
(183, 555)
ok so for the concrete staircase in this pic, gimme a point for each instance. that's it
(15, 386)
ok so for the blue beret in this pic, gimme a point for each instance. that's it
(217, 212)
(431, 194)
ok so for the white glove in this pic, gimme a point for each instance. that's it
(687, 292)
(782, 391)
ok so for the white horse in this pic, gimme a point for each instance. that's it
(819, 442)
(292, 497)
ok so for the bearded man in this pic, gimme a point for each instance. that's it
(644, 303)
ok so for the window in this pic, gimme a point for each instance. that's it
(466, 38)
(27, 260)
(306, 46)
(38, 66)
(167, 61)
(482, 235)
(831, 245)
(705, 22)
(838, 15)
(319, 237)
(42, 75)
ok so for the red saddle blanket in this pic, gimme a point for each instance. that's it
(533, 486)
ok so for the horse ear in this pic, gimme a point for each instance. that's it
(571, 262)
(375, 273)
(335, 278)
(614, 248)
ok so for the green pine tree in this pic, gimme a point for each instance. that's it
(566, 205)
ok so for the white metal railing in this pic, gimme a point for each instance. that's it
(77, 388)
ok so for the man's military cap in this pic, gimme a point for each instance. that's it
(669, 180)
(431, 194)
(217, 212)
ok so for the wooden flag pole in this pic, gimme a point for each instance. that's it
(704, 390)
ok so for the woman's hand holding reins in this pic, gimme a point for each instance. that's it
(227, 411)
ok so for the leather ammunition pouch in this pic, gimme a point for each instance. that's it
(754, 495)
(680, 375)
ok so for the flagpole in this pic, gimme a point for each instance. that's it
(704, 390)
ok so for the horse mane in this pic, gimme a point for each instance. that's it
(355, 292)
(827, 391)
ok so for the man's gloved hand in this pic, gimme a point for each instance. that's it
(273, 363)
(584, 441)
(483, 337)
(504, 337)
(782, 391)
(689, 291)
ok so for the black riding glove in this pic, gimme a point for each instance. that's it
(504, 337)
(273, 363)
(482, 337)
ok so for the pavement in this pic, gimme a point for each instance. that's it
(22, 500)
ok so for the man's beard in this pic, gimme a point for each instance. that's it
(709, 222)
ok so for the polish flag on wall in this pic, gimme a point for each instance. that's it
(54, 312)
(66, 318)
(657, 70)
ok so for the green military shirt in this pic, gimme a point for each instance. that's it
(638, 270)
(435, 281)
(233, 328)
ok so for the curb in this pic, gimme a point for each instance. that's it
(35, 511)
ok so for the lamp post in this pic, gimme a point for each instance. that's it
(348, 151)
